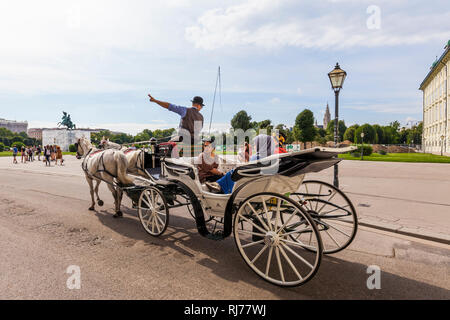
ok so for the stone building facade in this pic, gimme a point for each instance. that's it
(14, 126)
(35, 133)
(436, 114)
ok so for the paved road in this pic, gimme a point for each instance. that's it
(46, 227)
(412, 197)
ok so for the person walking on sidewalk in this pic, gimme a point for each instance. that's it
(59, 155)
(15, 150)
(22, 154)
(38, 152)
(47, 154)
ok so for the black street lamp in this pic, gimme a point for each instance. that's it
(337, 78)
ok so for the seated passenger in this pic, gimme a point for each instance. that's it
(265, 146)
(207, 163)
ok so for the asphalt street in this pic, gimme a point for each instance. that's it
(45, 227)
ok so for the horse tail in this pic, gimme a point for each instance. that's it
(122, 164)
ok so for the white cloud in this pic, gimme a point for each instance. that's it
(275, 100)
(274, 24)
(395, 108)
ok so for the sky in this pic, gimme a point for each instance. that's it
(98, 60)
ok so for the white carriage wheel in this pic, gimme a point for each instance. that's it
(333, 213)
(264, 243)
(153, 211)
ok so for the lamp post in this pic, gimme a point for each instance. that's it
(362, 146)
(442, 145)
(337, 77)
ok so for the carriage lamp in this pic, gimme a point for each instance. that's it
(337, 77)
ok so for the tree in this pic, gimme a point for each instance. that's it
(265, 125)
(321, 133)
(404, 133)
(369, 134)
(415, 136)
(17, 144)
(23, 134)
(341, 129)
(2, 147)
(17, 139)
(242, 120)
(350, 133)
(304, 129)
(96, 137)
(379, 132)
(395, 125)
(390, 135)
(143, 136)
(121, 138)
(287, 132)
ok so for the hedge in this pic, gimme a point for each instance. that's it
(368, 150)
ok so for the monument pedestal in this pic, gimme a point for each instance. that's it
(63, 137)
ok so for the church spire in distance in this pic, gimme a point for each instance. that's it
(326, 118)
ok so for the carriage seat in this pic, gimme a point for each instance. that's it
(190, 162)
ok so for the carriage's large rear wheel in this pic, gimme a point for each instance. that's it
(153, 211)
(332, 211)
(264, 241)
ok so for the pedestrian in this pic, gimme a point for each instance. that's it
(38, 152)
(15, 150)
(244, 153)
(22, 153)
(47, 155)
(59, 155)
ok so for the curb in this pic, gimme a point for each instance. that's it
(431, 236)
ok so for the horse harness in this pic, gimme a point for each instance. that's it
(138, 160)
(100, 167)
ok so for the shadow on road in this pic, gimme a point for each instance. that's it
(336, 278)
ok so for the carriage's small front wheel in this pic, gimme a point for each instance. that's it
(262, 230)
(153, 211)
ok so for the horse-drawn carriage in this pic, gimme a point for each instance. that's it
(281, 223)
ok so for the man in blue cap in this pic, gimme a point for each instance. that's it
(189, 116)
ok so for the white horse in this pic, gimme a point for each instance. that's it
(106, 144)
(135, 157)
(107, 165)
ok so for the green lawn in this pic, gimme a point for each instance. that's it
(401, 157)
(9, 154)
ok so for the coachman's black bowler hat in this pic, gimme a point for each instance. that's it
(198, 100)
